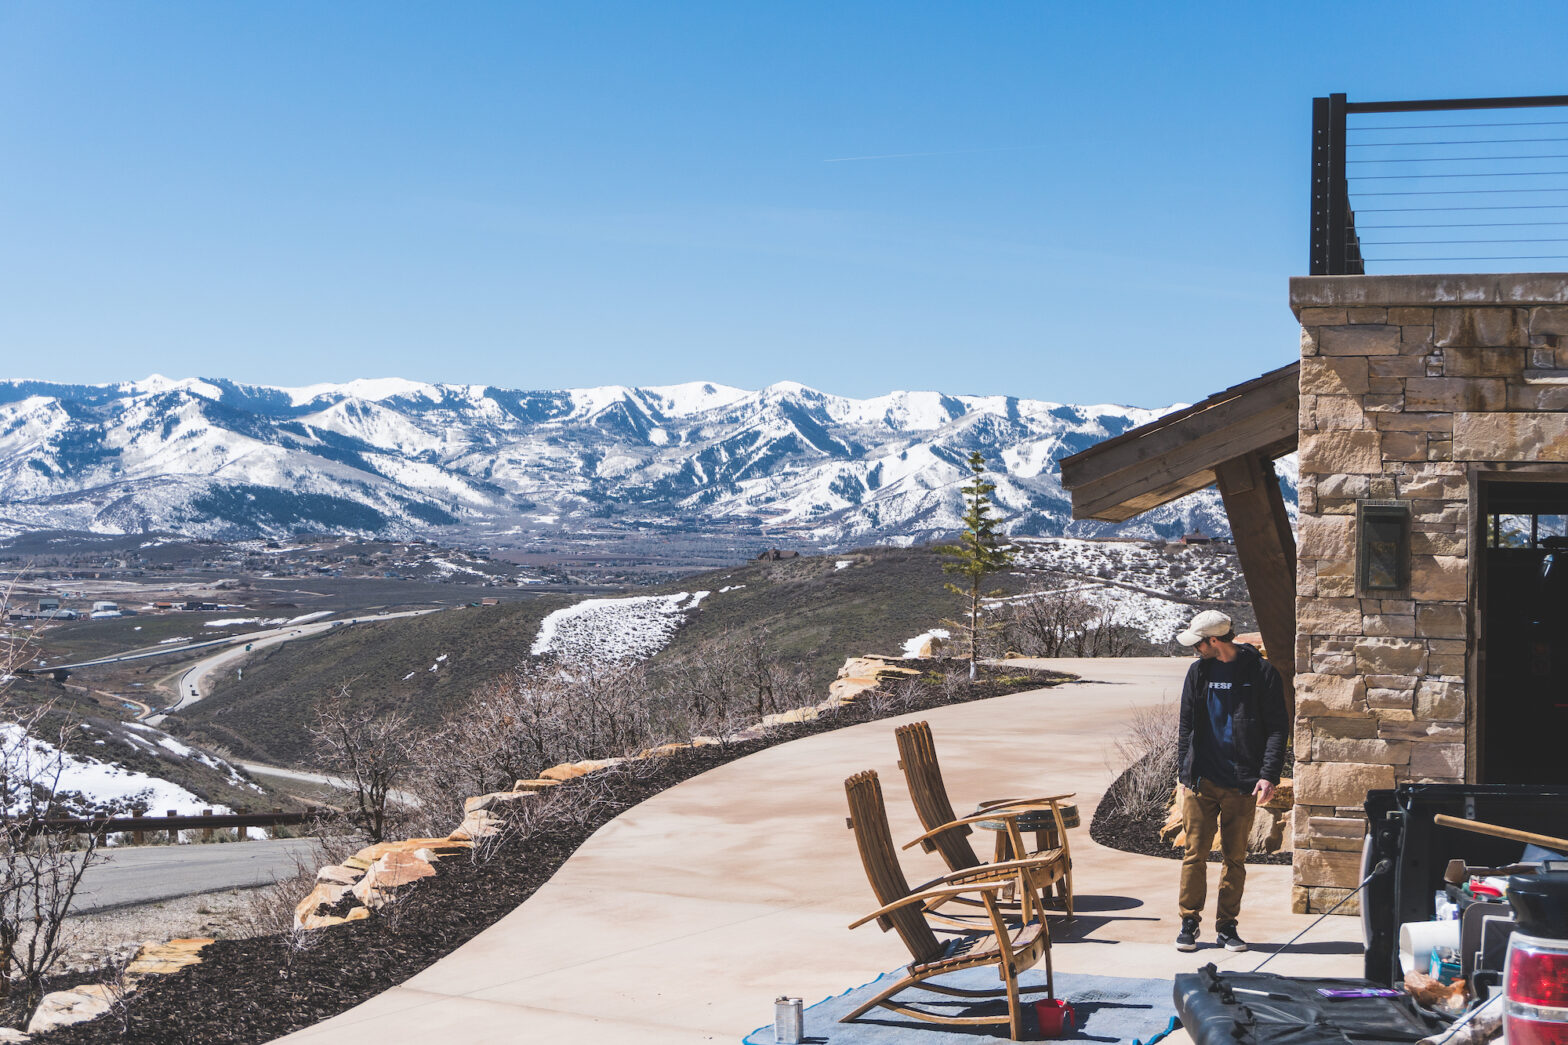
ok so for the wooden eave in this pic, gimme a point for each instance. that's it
(1177, 453)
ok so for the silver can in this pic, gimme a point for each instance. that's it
(788, 1024)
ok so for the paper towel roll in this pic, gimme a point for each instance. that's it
(1417, 941)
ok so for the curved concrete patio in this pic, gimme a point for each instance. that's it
(681, 920)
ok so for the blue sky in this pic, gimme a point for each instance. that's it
(1076, 202)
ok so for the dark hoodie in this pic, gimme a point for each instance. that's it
(1258, 722)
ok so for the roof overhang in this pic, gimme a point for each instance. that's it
(1176, 454)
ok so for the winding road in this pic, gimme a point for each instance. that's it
(191, 685)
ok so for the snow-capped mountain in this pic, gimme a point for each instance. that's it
(212, 458)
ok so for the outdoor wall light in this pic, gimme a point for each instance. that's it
(1382, 545)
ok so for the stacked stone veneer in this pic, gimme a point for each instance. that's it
(1410, 386)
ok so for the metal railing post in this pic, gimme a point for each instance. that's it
(1318, 261)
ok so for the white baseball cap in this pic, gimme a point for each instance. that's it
(1205, 625)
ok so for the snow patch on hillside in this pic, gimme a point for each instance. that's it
(100, 784)
(614, 629)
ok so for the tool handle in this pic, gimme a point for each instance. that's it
(1510, 833)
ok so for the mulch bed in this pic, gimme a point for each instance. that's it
(1115, 830)
(255, 990)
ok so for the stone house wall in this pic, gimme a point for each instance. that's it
(1411, 387)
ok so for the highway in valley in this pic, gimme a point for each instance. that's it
(192, 684)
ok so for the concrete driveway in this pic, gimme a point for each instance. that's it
(681, 920)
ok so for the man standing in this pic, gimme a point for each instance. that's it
(1229, 749)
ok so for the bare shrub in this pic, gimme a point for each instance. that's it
(40, 870)
(371, 753)
(269, 910)
(1066, 623)
(724, 685)
(1147, 750)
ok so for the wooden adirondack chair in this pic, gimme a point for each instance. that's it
(1012, 948)
(948, 834)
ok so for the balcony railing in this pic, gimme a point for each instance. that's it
(1468, 184)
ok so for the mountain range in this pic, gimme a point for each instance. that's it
(214, 458)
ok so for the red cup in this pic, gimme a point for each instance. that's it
(1055, 1016)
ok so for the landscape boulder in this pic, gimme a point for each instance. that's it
(63, 1008)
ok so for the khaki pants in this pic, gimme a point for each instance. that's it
(1202, 811)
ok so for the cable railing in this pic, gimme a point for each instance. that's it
(1418, 186)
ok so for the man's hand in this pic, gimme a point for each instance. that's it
(1263, 791)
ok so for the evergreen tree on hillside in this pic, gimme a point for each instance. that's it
(981, 548)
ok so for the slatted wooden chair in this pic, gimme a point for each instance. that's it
(1010, 946)
(948, 834)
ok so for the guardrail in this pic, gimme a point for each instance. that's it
(139, 827)
(1438, 189)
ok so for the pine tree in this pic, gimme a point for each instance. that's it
(981, 548)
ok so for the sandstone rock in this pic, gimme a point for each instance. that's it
(1440, 701)
(571, 770)
(1345, 827)
(11, 1034)
(327, 921)
(1319, 867)
(1325, 537)
(1484, 362)
(324, 894)
(1438, 394)
(1549, 319)
(1437, 761)
(1472, 327)
(340, 874)
(1342, 412)
(1268, 830)
(1334, 452)
(1322, 899)
(845, 690)
(1340, 783)
(391, 871)
(1363, 340)
(481, 823)
(1495, 436)
(654, 752)
(63, 1008)
(1374, 752)
(1328, 616)
(793, 715)
(1378, 656)
(1331, 375)
(492, 800)
(157, 959)
(1318, 694)
(535, 785)
(1440, 621)
(1416, 729)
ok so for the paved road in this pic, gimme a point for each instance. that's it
(192, 685)
(145, 874)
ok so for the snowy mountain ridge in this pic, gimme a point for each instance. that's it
(209, 457)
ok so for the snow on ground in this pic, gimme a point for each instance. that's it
(230, 622)
(102, 782)
(168, 743)
(912, 646)
(1183, 572)
(842, 563)
(615, 629)
(305, 618)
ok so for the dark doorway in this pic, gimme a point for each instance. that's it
(1522, 632)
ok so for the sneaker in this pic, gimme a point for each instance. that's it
(1187, 939)
(1226, 937)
